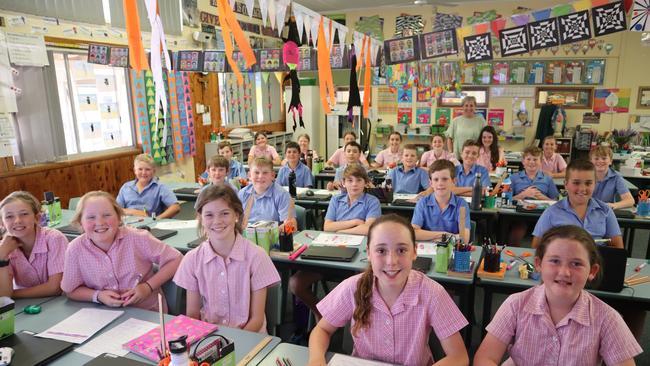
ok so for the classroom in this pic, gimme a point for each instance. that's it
(280, 182)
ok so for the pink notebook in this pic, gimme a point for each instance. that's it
(148, 344)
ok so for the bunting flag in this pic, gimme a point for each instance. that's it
(497, 25)
(157, 150)
(582, 5)
(325, 84)
(481, 28)
(542, 14)
(608, 18)
(182, 113)
(137, 57)
(366, 85)
(520, 19)
(140, 103)
(562, 10)
(230, 27)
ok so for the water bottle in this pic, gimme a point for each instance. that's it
(477, 192)
(292, 184)
(178, 352)
(389, 184)
(310, 159)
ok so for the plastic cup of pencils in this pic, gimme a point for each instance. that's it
(286, 241)
(489, 201)
(461, 260)
(442, 258)
(643, 209)
(492, 261)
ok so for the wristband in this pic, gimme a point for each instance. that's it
(150, 288)
(96, 297)
(4, 262)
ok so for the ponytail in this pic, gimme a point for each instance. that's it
(362, 298)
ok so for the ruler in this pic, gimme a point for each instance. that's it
(249, 356)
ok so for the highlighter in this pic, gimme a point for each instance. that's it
(298, 252)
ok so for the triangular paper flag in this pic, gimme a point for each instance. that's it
(265, 77)
(562, 10)
(298, 16)
(542, 14)
(343, 33)
(281, 12)
(250, 4)
(307, 21)
(272, 11)
(315, 21)
(264, 9)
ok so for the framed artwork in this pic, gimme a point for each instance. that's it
(119, 57)
(568, 98)
(214, 61)
(643, 98)
(437, 44)
(271, 60)
(400, 50)
(98, 54)
(190, 61)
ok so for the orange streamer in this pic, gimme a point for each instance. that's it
(230, 25)
(366, 83)
(137, 57)
(325, 81)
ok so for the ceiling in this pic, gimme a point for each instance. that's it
(333, 6)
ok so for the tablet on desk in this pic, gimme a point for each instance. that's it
(30, 350)
(109, 359)
(337, 254)
(186, 190)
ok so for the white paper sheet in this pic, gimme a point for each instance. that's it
(343, 360)
(426, 248)
(328, 239)
(27, 49)
(112, 340)
(80, 326)
(177, 224)
(403, 196)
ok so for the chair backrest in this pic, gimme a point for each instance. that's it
(472, 231)
(301, 217)
(175, 297)
(72, 204)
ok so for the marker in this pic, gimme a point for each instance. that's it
(310, 236)
(638, 268)
(277, 361)
(298, 252)
(511, 264)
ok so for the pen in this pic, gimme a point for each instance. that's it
(135, 221)
(277, 361)
(297, 252)
(310, 236)
(287, 361)
(638, 268)
(511, 264)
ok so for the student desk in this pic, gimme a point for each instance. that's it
(19, 304)
(60, 308)
(639, 294)
(297, 355)
(332, 270)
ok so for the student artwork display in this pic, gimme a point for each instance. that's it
(554, 72)
(609, 18)
(437, 44)
(446, 21)
(404, 95)
(612, 100)
(423, 94)
(478, 47)
(595, 72)
(98, 54)
(337, 59)
(481, 112)
(449, 72)
(189, 61)
(423, 115)
(214, 61)
(574, 27)
(543, 34)
(408, 25)
(500, 73)
(536, 75)
(119, 57)
(426, 77)
(520, 117)
(518, 72)
(443, 116)
(573, 72)
(270, 60)
(386, 103)
(514, 41)
(306, 62)
(495, 117)
(456, 112)
(483, 75)
(640, 21)
(401, 50)
(404, 115)
(467, 75)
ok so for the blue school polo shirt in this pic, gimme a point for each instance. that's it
(415, 180)
(463, 180)
(272, 205)
(611, 187)
(365, 207)
(599, 221)
(303, 176)
(236, 170)
(543, 182)
(155, 197)
(427, 214)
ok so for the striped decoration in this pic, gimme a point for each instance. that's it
(182, 114)
(157, 152)
(140, 103)
(190, 113)
(176, 124)
(169, 144)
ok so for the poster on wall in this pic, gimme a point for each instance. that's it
(443, 116)
(189, 61)
(424, 94)
(438, 44)
(404, 115)
(405, 95)
(119, 57)
(386, 103)
(271, 60)
(214, 61)
(495, 117)
(400, 50)
(98, 54)
(612, 100)
(482, 112)
(423, 115)
(520, 118)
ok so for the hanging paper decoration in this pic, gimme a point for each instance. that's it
(609, 19)
(326, 84)
(167, 127)
(280, 14)
(157, 148)
(137, 57)
(514, 41)
(446, 21)
(190, 113)
(140, 103)
(373, 26)
(497, 25)
(542, 14)
(582, 5)
(230, 27)
(175, 117)
(520, 19)
(640, 16)
(484, 17)
(563, 9)
(182, 113)
(291, 58)
(481, 28)
(543, 34)
(408, 25)
(354, 99)
(574, 27)
(478, 48)
(366, 85)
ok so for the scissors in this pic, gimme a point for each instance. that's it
(522, 256)
(644, 194)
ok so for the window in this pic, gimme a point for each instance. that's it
(94, 104)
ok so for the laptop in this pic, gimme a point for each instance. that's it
(186, 190)
(195, 243)
(422, 264)
(337, 254)
(612, 273)
(624, 214)
(109, 359)
(70, 230)
(314, 197)
(160, 234)
(403, 202)
(30, 350)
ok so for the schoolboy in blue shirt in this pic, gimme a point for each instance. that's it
(263, 199)
(610, 185)
(236, 168)
(218, 167)
(532, 182)
(352, 152)
(351, 213)
(303, 173)
(466, 172)
(439, 213)
(409, 178)
(144, 195)
(580, 208)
